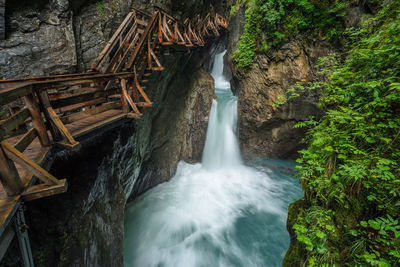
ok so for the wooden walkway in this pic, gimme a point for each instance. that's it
(57, 110)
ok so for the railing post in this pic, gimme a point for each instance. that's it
(45, 103)
(9, 176)
(125, 107)
(37, 120)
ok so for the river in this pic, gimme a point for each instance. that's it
(220, 212)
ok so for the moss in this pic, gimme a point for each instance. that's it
(296, 253)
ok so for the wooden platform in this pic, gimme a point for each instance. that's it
(37, 153)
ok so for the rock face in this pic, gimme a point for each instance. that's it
(178, 128)
(39, 40)
(266, 129)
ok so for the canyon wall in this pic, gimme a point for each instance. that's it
(265, 128)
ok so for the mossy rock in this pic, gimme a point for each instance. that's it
(296, 253)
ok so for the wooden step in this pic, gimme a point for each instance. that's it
(44, 190)
(133, 115)
(95, 122)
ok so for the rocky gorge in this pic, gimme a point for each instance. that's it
(84, 227)
(56, 37)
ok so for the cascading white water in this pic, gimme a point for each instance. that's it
(218, 213)
(222, 148)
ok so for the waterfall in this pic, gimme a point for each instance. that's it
(222, 148)
(217, 213)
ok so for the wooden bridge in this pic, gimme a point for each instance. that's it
(56, 110)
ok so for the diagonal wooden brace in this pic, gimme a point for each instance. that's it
(27, 163)
(70, 142)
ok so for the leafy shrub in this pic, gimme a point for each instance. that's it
(278, 20)
(353, 154)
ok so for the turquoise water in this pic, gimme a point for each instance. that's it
(216, 213)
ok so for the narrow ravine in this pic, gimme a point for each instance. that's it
(217, 213)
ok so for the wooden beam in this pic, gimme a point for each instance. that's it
(73, 92)
(37, 119)
(89, 112)
(77, 99)
(9, 176)
(24, 161)
(128, 98)
(45, 103)
(9, 95)
(26, 140)
(81, 105)
(156, 59)
(13, 122)
(61, 127)
(44, 190)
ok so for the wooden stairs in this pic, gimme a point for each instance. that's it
(59, 109)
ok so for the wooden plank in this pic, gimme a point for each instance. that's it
(73, 92)
(37, 119)
(27, 163)
(98, 125)
(45, 103)
(144, 104)
(13, 122)
(61, 127)
(133, 115)
(81, 105)
(9, 176)
(26, 140)
(44, 190)
(77, 99)
(9, 95)
(128, 98)
(141, 22)
(79, 115)
(69, 82)
(156, 59)
(45, 78)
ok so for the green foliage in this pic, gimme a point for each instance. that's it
(100, 7)
(354, 151)
(271, 22)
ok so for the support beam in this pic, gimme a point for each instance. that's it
(9, 176)
(37, 120)
(63, 130)
(27, 163)
(128, 98)
(26, 140)
(44, 190)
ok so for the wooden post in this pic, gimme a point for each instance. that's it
(125, 107)
(37, 119)
(45, 103)
(135, 94)
(9, 177)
